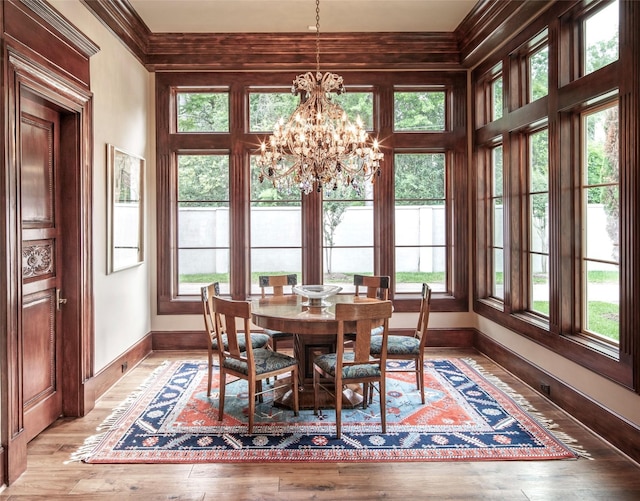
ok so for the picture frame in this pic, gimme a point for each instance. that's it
(125, 209)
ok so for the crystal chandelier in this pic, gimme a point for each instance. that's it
(318, 147)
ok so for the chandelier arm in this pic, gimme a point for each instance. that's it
(318, 146)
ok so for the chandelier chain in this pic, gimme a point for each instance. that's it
(318, 147)
(317, 36)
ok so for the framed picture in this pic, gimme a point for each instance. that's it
(125, 209)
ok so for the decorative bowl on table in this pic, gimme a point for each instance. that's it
(316, 295)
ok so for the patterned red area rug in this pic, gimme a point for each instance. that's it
(469, 416)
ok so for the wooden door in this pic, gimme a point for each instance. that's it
(41, 365)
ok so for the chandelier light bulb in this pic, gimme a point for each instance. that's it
(318, 147)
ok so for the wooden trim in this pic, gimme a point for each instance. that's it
(296, 51)
(561, 333)
(3, 462)
(32, 36)
(492, 23)
(46, 56)
(62, 26)
(629, 139)
(109, 375)
(237, 141)
(619, 432)
(197, 340)
(124, 22)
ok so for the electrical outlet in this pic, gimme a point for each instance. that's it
(125, 366)
(545, 388)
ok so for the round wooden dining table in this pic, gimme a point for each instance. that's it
(315, 330)
(290, 314)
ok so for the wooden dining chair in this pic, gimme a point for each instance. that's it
(277, 284)
(207, 294)
(408, 347)
(375, 287)
(252, 365)
(354, 364)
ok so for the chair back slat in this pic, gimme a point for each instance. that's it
(277, 283)
(228, 314)
(207, 293)
(366, 316)
(423, 316)
(377, 286)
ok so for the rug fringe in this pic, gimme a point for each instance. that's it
(547, 423)
(86, 449)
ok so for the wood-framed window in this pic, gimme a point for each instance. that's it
(564, 159)
(322, 237)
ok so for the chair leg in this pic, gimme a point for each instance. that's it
(420, 375)
(383, 404)
(294, 389)
(209, 376)
(223, 381)
(252, 403)
(316, 391)
(338, 391)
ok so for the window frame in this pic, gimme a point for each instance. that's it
(241, 144)
(569, 95)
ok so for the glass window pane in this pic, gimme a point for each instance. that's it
(420, 219)
(539, 239)
(347, 224)
(539, 162)
(539, 74)
(417, 265)
(419, 176)
(601, 38)
(357, 104)
(420, 225)
(340, 264)
(203, 221)
(496, 169)
(266, 108)
(498, 219)
(274, 262)
(498, 274)
(539, 280)
(198, 267)
(203, 111)
(602, 291)
(600, 223)
(347, 229)
(601, 189)
(203, 178)
(496, 99)
(419, 111)
(276, 231)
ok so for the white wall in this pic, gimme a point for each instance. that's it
(123, 115)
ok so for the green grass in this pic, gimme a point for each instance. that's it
(602, 318)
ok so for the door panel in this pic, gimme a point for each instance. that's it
(41, 318)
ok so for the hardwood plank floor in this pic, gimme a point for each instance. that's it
(609, 475)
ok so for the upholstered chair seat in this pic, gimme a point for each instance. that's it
(265, 360)
(257, 341)
(396, 345)
(328, 364)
